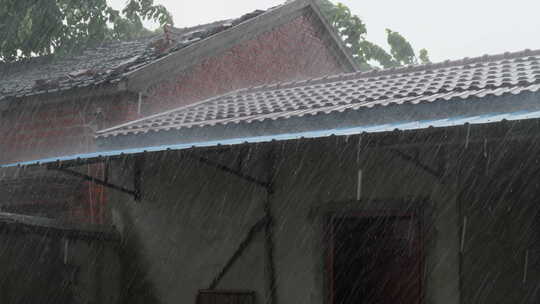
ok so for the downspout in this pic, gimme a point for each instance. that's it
(139, 104)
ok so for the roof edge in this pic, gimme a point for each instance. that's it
(346, 54)
(507, 107)
(47, 225)
(99, 132)
(56, 96)
(226, 39)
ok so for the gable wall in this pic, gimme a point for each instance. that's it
(293, 51)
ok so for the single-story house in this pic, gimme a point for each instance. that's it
(410, 185)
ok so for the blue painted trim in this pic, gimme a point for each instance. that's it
(403, 126)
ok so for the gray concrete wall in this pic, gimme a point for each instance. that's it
(326, 175)
(37, 269)
(192, 218)
(500, 219)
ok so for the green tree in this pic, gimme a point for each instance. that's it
(44, 27)
(353, 32)
(424, 57)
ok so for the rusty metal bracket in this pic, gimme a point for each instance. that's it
(229, 170)
(137, 176)
(135, 194)
(415, 160)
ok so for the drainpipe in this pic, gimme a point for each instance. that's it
(139, 104)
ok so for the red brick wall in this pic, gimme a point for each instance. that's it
(292, 51)
(31, 132)
(41, 192)
(35, 131)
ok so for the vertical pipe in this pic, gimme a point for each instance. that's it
(467, 136)
(66, 251)
(359, 186)
(139, 104)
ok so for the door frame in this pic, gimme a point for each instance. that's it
(329, 240)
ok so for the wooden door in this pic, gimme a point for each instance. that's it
(376, 260)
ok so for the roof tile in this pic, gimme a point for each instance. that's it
(508, 73)
(107, 63)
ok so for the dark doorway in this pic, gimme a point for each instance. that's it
(375, 260)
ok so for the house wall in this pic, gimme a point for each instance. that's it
(47, 126)
(47, 193)
(184, 232)
(192, 218)
(36, 129)
(327, 176)
(500, 223)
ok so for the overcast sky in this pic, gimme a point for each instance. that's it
(450, 29)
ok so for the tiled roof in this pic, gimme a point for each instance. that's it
(104, 64)
(509, 73)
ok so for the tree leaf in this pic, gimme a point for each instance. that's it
(352, 31)
(60, 27)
